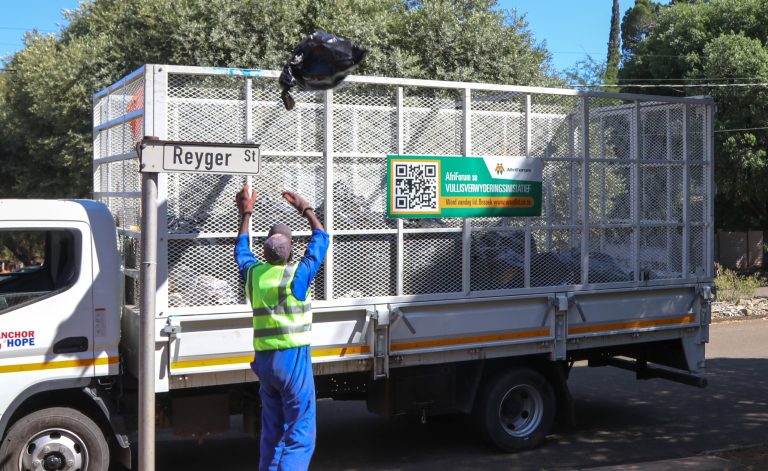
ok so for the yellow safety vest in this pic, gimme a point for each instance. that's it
(279, 319)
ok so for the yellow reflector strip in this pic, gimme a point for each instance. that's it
(325, 352)
(52, 365)
(463, 340)
(329, 352)
(631, 325)
(211, 362)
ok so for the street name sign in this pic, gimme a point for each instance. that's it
(460, 187)
(200, 157)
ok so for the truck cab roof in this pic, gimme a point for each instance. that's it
(94, 213)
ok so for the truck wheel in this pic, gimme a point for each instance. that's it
(516, 409)
(58, 438)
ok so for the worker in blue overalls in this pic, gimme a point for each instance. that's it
(278, 290)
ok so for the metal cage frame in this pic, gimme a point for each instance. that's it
(630, 142)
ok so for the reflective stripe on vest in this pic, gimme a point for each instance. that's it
(279, 319)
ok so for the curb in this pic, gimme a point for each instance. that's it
(697, 463)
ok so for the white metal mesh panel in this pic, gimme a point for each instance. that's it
(498, 260)
(101, 178)
(365, 120)
(654, 128)
(432, 122)
(697, 252)
(611, 255)
(611, 192)
(126, 211)
(610, 129)
(696, 135)
(553, 125)
(612, 135)
(99, 114)
(697, 197)
(279, 130)
(99, 145)
(364, 266)
(360, 193)
(555, 259)
(655, 193)
(213, 108)
(202, 203)
(661, 252)
(559, 184)
(675, 133)
(498, 124)
(203, 272)
(303, 175)
(206, 109)
(120, 176)
(134, 94)
(432, 263)
(120, 140)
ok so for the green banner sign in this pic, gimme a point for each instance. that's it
(460, 187)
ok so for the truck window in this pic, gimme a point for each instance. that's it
(35, 263)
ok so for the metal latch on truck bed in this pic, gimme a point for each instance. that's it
(381, 317)
(172, 328)
(560, 304)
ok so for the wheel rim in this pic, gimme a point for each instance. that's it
(54, 450)
(520, 410)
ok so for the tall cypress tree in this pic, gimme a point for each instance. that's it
(614, 47)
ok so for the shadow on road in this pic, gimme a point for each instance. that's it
(620, 420)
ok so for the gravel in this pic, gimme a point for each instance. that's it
(742, 309)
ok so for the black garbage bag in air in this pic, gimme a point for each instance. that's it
(319, 62)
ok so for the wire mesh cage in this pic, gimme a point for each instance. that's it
(626, 188)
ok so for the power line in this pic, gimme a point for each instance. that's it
(691, 79)
(741, 129)
(633, 55)
(15, 28)
(673, 85)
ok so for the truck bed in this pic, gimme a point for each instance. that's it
(622, 253)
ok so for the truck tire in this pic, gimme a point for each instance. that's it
(57, 438)
(515, 409)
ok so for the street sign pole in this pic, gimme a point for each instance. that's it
(156, 157)
(148, 277)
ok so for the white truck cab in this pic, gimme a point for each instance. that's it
(59, 333)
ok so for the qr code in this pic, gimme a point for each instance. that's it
(415, 187)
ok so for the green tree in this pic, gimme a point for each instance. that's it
(614, 46)
(722, 42)
(585, 72)
(46, 104)
(637, 23)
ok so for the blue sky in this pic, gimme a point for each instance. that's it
(570, 28)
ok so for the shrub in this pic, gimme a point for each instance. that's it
(732, 286)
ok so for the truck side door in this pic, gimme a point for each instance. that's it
(46, 305)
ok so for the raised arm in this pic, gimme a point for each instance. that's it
(243, 254)
(245, 201)
(314, 254)
(303, 207)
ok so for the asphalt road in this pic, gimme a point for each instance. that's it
(620, 421)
